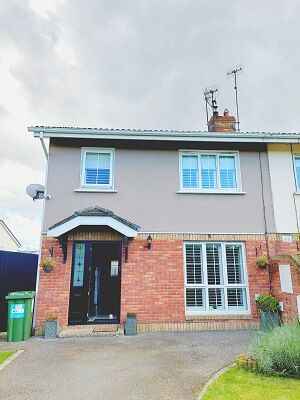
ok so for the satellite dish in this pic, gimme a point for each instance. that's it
(35, 191)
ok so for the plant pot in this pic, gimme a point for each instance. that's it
(131, 326)
(269, 320)
(264, 266)
(243, 362)
(47, 268)
(51, 329)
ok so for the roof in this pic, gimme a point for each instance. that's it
(9, 232)
(166, 135)
(96, 216)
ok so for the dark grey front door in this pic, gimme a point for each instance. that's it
(79, 291)
(95, 283)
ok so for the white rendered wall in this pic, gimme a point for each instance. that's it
(6, 241)
(286, 202)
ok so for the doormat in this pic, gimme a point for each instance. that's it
(110, 328)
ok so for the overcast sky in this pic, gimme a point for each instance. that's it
(135, 64)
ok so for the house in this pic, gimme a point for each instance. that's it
(8, 241)
(168, 224)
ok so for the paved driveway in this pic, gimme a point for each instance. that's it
(149, 366)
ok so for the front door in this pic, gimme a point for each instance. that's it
(95, 283)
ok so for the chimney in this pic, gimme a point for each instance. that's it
(222, 123)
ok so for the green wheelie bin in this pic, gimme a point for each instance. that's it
(20, 312)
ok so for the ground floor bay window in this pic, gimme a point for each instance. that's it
(215, 278)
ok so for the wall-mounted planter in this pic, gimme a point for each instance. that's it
(47, 268)
(131, 326)
(262, 262)
(51, 329)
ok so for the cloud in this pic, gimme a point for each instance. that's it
(137, 64)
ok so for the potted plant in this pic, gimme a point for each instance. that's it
(52, 327)
(48, 264)
(131, 324)
(262, 262)
(269, 311)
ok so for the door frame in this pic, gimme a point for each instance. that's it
(87, 267)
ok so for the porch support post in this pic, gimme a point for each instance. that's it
(126, 248)
(63, 242)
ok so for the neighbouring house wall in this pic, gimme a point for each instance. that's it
(7, 243)
(286, 203)
(147, 181)
(152, 281)
(289, 299)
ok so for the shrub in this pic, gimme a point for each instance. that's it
(262, 262)
(52, 317)
(131, 315)
(268, 303)
(278, 351)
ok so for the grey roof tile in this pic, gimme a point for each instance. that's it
(96, 211)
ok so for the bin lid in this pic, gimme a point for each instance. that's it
(20, 295)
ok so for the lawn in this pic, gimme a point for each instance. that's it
(242, 385)
(4, 355)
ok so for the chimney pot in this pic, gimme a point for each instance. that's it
(226, 112)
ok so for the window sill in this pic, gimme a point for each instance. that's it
(90, 190)
(206, 316)
(208, 192)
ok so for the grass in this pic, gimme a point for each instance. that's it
(4, 355)
(243, 385)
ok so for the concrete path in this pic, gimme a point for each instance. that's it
(150, 366)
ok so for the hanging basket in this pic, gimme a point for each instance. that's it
(47, 268)
(262, 262)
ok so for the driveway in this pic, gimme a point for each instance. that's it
(172, 365)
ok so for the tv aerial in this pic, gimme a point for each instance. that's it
(232, 73)
(210, 94)
(36, 191)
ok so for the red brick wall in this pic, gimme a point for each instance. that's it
(289, 300)
(153, 282)
(54, 287)
(258, 279)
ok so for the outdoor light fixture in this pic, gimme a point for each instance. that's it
(149, 239)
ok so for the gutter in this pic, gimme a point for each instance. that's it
(188, 136)
(41, 136)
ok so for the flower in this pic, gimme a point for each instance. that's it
(48, 262)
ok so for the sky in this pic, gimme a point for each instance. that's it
(135, 64)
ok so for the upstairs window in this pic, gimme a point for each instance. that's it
(209, 171)
(97, 168)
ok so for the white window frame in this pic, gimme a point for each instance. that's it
(218, 189)
(225, 284)
(295, 172)
(84, 151)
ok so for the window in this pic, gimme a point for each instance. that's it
(209, 171)
(97, 168)
(297, 171)
(215, 278)
(79, 264)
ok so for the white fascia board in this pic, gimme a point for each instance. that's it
(92, 221)
(231, 137)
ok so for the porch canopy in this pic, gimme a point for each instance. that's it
(94, 216)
